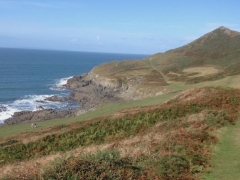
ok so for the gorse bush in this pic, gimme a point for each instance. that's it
(173, 166)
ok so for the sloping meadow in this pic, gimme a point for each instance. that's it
(169, 141)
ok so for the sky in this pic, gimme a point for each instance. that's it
(114, 26)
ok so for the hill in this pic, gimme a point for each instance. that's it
(168, 141)
(213, 56)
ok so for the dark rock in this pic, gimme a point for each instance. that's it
(54, 98)
(37, 116)
(40, 101)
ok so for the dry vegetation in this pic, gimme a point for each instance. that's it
(168, 141)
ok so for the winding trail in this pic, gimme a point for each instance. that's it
(162, 74)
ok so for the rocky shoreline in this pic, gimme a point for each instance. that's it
(88, 93)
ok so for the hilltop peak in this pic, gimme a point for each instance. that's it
(220, 37)
(223, 28)
(225, 31)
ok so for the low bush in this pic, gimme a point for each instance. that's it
(105, 164)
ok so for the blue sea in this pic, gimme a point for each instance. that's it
(28, 77)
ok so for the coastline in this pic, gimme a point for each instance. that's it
(87, 93)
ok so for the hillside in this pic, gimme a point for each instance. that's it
(217, 53)
(210, 57)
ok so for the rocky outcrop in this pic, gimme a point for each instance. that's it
(55, 98)
(37, 116)
(111, 83)
(90, 93)
(90, 90)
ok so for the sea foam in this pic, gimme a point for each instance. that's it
(29, 103)
(59, 85)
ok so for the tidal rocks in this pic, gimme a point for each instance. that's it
(54, 98)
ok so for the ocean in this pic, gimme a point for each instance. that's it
(28, 77)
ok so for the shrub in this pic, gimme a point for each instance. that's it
(105, 164)
(173, 166)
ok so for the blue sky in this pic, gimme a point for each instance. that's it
(117, 26)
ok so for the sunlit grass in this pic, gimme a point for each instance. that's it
(227, 156)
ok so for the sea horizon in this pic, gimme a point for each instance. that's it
(65, 50)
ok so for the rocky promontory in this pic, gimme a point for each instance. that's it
(85, 91)
(89, 91)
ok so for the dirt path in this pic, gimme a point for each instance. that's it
(162, 74)
(227, 155)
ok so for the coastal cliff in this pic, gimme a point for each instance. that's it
(91, 89)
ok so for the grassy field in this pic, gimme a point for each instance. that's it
(227, 155)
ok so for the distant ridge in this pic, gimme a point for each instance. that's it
(219, 49)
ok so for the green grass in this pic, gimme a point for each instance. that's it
(227, 155)
(103, 110)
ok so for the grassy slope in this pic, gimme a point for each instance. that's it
(227, 156)
(218, 49)
(182, 137)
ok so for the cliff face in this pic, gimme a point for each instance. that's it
(90, 90)
(104, 81)
(126, 89)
